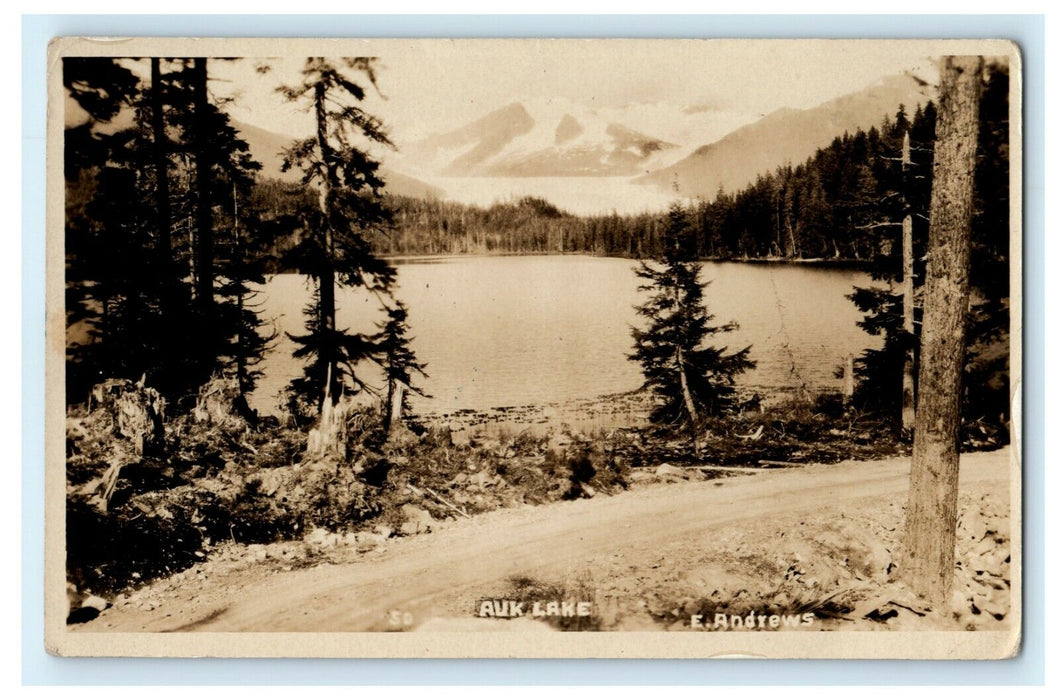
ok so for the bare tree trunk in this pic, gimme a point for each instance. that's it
(329, 435)
(192, 268)
(395, 408)
(849, 384)
(242, 376)
(689, 402)
(930, 529)
(908, 385)
(161, 171)
(792, 246)
(203, 185)
(327, 273)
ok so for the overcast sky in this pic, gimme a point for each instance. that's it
(434, 86)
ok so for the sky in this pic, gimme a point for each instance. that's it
(435, 86)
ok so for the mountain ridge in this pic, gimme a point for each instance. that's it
(784, 136)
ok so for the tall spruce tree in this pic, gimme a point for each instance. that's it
(691, 380)
(200, 143)
(987, 392)
(336, 162)
(245, 335)
(218, 181)
(213, 169)
(249, 339)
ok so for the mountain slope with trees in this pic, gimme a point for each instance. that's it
(784, 136)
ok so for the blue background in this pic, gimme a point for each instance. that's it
(40, 668)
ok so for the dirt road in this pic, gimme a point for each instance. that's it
(434, 576)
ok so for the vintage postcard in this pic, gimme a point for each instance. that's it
(534, 348)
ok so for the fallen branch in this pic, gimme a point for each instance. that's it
(109, 482)
(443, 502)
(776, 463)
(748, 470)
(439, 499)
(753, 436)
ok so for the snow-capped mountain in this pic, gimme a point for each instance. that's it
(559, 138)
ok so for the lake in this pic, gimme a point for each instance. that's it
(515, 330)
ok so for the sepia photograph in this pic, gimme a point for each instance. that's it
(534, 348)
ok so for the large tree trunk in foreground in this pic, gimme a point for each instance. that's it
(930, 530)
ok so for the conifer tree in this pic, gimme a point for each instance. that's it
(398, 360)
(246, 337)
(879, 370)
(200, 142)
(102, 88)
(214, 170)
(337, 163)
(130, 263)
(113, 276)
(895, 212)
(691, 380)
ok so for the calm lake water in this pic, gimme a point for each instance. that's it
(507, 331)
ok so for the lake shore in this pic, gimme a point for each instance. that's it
(621, 410)
(428, 258)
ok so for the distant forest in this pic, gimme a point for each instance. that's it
(842, 204)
